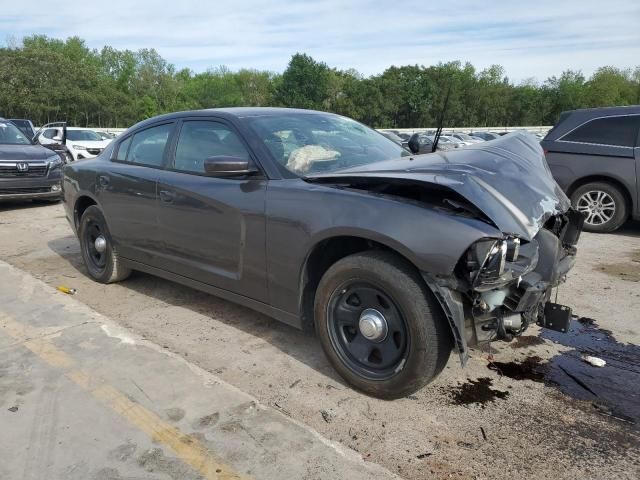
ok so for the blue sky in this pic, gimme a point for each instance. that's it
(529, 38)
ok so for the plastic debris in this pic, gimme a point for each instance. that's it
(595, 361)
(67, 290)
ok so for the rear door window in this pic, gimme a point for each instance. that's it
(613, 131)
(148, 146)
(123, 149)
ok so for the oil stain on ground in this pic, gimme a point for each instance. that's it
(476, 392)
(612, 389)
(629, 271)
(531, 368)
(524, 341)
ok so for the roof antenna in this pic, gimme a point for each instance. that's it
(436, 139)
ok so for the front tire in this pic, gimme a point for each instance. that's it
(98, 251)
(380, 326)
(603, 206)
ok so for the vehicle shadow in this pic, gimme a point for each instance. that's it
(6, 205)
(302, 346)
(629, 229)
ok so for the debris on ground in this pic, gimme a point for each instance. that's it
(13, 409)
(326, 416)
(595, 361)
(294, 383)
(67, 290)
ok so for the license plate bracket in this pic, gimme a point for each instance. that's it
(556, 317)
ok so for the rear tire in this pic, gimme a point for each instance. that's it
(416, 343)
(104, 264)
(603, 205)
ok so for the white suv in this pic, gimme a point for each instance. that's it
(81, 142)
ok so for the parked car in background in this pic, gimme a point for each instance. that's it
(403, 135)
(594, 155)
(25, 126)
(321, 222)
(82, 143)
(467, 139)
(425, 143)
(106, 135)
(27, 170)
(395, 138)
(486, 136)
(459, 143)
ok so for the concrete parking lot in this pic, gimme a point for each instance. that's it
(529, 409)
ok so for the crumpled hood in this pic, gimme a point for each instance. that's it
(508, 179)
(12, 153)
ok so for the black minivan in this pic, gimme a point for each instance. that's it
(594, 155)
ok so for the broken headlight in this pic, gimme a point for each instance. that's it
(493, 263)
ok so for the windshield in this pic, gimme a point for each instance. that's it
(80, 135)
(463, 136)
(11, 135)
(307, 143)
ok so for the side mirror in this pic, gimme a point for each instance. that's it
(57, 138)
(224, 166)
(414, 143)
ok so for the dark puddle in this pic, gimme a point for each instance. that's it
(530, 368)
(613, 389)
(476, 392)
(524, 341)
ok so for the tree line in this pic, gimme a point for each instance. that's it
(47, 79)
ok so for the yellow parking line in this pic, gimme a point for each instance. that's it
(189, 449)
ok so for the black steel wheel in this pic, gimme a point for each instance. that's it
(95, 245)
(367, 330)
(98, 251)
(379, 324)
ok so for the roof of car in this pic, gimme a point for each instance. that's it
(571, 119)
(238, 112)
(604, 111)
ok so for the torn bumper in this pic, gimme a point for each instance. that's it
(478, 313)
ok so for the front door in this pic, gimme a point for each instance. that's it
(212, 229)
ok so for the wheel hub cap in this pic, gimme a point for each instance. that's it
(101, 244)
(597, 206)
(373, 325)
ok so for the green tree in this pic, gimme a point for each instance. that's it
(304, 83)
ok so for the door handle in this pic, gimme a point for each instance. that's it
(103, 180)
(167, 196)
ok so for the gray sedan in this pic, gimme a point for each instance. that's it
(393, 258)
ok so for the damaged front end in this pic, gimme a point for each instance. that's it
(501, 286)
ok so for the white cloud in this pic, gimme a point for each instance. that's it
(530, 39)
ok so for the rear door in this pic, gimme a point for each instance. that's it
(213, 229)
(599, 147)
(127, 191)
